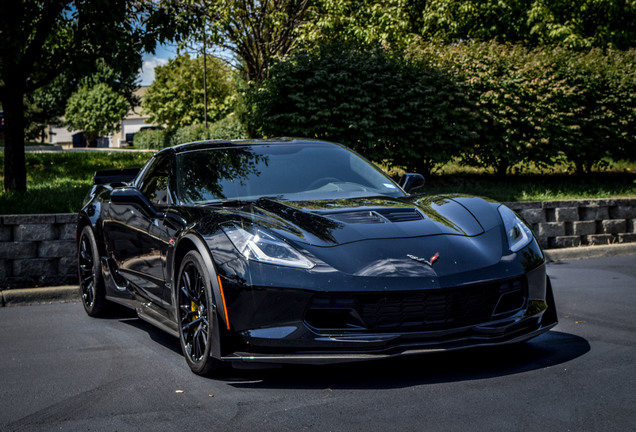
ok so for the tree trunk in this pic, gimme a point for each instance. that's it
(501, 168)
(14, 161)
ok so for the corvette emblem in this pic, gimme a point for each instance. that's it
(429, 262)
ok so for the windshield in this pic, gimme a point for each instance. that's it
(285, 171)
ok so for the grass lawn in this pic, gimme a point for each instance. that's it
(58, 181)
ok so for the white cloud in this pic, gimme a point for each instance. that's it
(147, 71)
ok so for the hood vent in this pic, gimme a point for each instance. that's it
(378, 216)
(400, 215)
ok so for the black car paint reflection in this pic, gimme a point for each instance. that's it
(339, 263)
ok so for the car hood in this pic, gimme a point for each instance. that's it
(453, 239)
(337, 222)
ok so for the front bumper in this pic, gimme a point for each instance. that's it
(297, 341)
(374, 347)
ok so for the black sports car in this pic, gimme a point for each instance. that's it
(289, 250)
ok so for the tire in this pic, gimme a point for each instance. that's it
(91, 279)
(198, 326)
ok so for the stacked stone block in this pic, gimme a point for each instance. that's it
(37, 250)
(560, 224)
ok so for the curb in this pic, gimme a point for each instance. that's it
(62, 294)
(30, 296)
(584, 252)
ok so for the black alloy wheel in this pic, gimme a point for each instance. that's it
(197, 319)
(91, 280)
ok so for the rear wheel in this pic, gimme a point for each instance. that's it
(91, 280)
(197, 320)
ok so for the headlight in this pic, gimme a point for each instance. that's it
(517, 232)
(256, 244)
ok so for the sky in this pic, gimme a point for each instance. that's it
(150, 61)
(161, 56)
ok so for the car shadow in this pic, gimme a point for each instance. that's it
(548, 350)
(159, 336)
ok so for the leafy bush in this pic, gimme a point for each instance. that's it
(501, 80)
(152, 139)
(592, 105)
(544, 106)
(391, 109)
(228, 128)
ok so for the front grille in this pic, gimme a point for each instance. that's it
(417, 311)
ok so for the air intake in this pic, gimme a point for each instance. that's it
(378, 216)
(400, 215)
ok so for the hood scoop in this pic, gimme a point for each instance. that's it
(385, 215)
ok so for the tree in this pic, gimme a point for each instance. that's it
(43, 39)
(175, 98)
(96, 111)
(257, 32)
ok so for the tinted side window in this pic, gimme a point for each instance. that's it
(156, 182)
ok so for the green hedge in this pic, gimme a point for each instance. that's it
(390, 108)
(498, 106)
(545, 106)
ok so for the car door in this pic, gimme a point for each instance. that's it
(136, 237)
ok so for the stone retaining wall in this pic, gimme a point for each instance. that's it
(39, 250)
(560, 224)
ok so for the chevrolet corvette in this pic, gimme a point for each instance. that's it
(301, 251)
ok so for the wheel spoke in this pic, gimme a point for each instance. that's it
(86, 271)
(188, 325)
(193, 315)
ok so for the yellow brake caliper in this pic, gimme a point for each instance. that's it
(193, 308)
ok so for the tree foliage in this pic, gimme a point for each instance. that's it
(390, 109)
(389, 23)
(571, 23)
(256, 32)
(175, 98)
(95, 110)
(41, 40)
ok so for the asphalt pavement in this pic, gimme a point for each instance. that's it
(43, 295)
(63, 370)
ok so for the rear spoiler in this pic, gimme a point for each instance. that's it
(123, 175)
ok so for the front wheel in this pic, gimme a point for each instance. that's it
(91, 280)
(197, 320)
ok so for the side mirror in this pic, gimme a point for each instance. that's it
(132, 196)
(411, 181)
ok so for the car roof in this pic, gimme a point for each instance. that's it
(212, 144)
